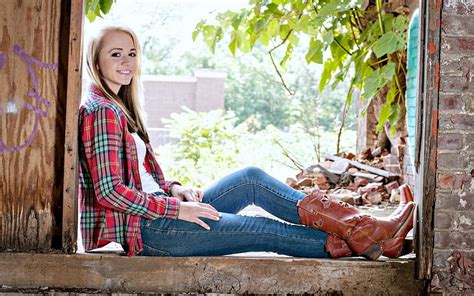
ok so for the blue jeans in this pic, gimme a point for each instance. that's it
(235, 233)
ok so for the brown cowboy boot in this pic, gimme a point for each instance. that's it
(405, 197)
(337, 247)
(364, 234)
(391, 248)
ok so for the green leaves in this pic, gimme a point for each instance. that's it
(205, 143)
(348, 42)
(394, 39)
(387, 44)
(211, 34)
(315, 52)
(377, 79)
(93, 8)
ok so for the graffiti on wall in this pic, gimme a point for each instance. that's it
(38, 100)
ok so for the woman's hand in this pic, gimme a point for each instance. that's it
(193, 211)
(185, 193)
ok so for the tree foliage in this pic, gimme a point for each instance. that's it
(205, 145)
(365, 44)
(95, 8)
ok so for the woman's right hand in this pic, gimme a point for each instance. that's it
(193, 211)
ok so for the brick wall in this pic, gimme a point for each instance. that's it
(168, 94)
(453, 214)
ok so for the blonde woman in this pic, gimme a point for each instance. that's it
(125, 198)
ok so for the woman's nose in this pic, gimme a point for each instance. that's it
(126, 60)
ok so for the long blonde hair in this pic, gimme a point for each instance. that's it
(129, 97)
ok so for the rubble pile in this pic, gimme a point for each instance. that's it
(361, 181)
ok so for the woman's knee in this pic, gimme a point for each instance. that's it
(253, 172)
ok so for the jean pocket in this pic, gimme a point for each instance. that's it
(150, 251)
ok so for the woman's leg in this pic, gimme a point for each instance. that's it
(231, 234)
(253, 186)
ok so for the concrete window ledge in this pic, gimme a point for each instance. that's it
(226, 274)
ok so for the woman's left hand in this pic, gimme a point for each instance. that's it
(185, 193)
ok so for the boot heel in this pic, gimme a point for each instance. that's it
(393, 247)
(373, 252)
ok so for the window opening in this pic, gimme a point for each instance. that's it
(412, 93)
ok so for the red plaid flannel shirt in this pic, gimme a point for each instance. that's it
(111, 201)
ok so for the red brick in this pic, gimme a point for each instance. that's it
(440, 260)
(464, 221)
(453, 181)
(456, 221)
(451, 102)
(445, 122)
(451, 161)
(445, 181)
(457, 25)
(456, 46)
(455, 66)
(393, 169)
(452, 201)
(450, 141)
(390, 186)
(460, 240)
(469, 142)
(456, 121)
(458, 8)
(390, 159)
(440, 257)
(457, 84)
(442, 220)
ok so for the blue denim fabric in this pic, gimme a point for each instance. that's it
(235, 233)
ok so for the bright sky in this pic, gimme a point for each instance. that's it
(184, 13)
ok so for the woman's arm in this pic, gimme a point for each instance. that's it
(101, 135)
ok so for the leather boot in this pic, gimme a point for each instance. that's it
(405, 197)
(364, 234)
(337, 247)
(391, 248)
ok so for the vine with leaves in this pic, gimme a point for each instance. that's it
(97, 8)
(362, 42)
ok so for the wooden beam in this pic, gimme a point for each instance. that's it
(364, 167)
(426, 177)
(225, 274)
(72, 29)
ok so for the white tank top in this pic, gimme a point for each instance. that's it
(148, 183)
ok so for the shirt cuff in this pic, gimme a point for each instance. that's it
(172, 208)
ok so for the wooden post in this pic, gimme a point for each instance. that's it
(426, 178)
(73, 52)
(32, 122)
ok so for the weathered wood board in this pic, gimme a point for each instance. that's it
(31, 125)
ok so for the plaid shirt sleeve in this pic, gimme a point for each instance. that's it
(103, 139)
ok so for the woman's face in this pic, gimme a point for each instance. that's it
(117, 59)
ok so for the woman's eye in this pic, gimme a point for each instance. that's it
(116, 54)
(132, 54)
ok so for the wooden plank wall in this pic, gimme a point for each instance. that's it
(32, 117)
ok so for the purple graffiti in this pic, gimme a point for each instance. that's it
(33, 93)
(3, 60)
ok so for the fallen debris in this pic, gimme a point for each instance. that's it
(365, 167)
(362, 181)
